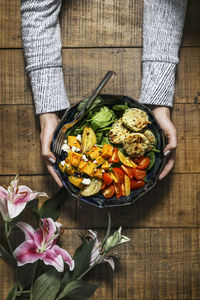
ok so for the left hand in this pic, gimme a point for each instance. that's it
(162, 114)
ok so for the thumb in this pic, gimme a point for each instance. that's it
(46, 148)
(171, 137)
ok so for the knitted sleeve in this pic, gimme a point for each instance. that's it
(42, 49)
(163, 22)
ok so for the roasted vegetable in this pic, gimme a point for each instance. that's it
(72, 141)
(69, 169)
(107, 151)
(94, 152)
(126, 160)
(76, 181)
(89, 168)
(76, 158)
(93, 188)
(88, 139)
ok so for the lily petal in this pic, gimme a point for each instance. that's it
(50, 258)
(35, 194)
(65, 255)
(3, 193)
(27, 229)
(14, 210)
(110, 261)
(26, 253)
(4, 210)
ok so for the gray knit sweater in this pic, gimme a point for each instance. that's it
(162, 31)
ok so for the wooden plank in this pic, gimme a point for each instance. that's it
(95, 23)
(20, 145)
(156, 264)
(20, 148)
(174, 202)
(83, 68)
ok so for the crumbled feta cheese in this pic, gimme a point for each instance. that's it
(84, 158)
(94, 161)
(62, 163)
(65, 142)
(86, 181)
(78, 137)
(65, 147)
(78, 149)
(73, 148)
(103, 170)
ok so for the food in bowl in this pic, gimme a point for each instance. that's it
(110, 151)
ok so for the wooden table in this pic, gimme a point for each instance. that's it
(162, 261)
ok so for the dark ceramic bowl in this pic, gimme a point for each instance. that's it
(152, 176)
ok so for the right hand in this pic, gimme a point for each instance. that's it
(48, 123)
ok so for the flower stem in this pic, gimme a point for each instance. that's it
(92, 266)
(7, 231)
(34, 271)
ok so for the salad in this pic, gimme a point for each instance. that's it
(110, 151)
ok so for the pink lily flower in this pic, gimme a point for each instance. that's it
(96, 252)
(41, 244)
(14, 199)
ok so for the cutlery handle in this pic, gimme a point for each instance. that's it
(98, 89)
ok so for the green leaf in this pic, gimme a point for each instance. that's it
(78, 290)
(33, 207)
(46, 286)
(120, 107)
(108, 229)
(82, 258)
(66, 279)
(12, 294)
(52, 207)
(6, 255)
(25, 275)
(152, 158)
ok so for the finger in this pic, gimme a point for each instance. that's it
(172, 142)
(46, 148)
(168, 166)
(53, 174)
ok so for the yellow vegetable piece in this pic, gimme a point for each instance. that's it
(107, 150)
(76, 181)
(126, 160)
(113, 177)
(127, 184)
(82, 164)
(105, 165)
(100, 160)
(93, 188)
(76, 158)
(98, 173)
(94, 152)
(88, 139)
(69, 169)
(89, 168)
(72, 141)
(62, 168)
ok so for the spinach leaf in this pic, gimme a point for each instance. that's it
(103, 118)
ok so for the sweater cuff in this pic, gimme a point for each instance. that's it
(48, 90)
(158, 83)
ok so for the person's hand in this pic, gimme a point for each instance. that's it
(162, 114)
(48, 123)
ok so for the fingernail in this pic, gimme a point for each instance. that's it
(51, 160)
(167, 153)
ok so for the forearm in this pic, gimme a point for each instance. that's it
(42, 49)
(163, 22)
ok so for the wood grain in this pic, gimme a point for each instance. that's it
(156, 264)
(95, 23)
(174, 202)
(83, 68)
(20, 144)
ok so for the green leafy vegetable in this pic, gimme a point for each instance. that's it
(120, 107)
(103, 118)
(97, 103)
(152, 158)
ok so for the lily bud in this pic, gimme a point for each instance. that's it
(115, 240)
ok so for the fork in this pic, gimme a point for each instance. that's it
(57, 144)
